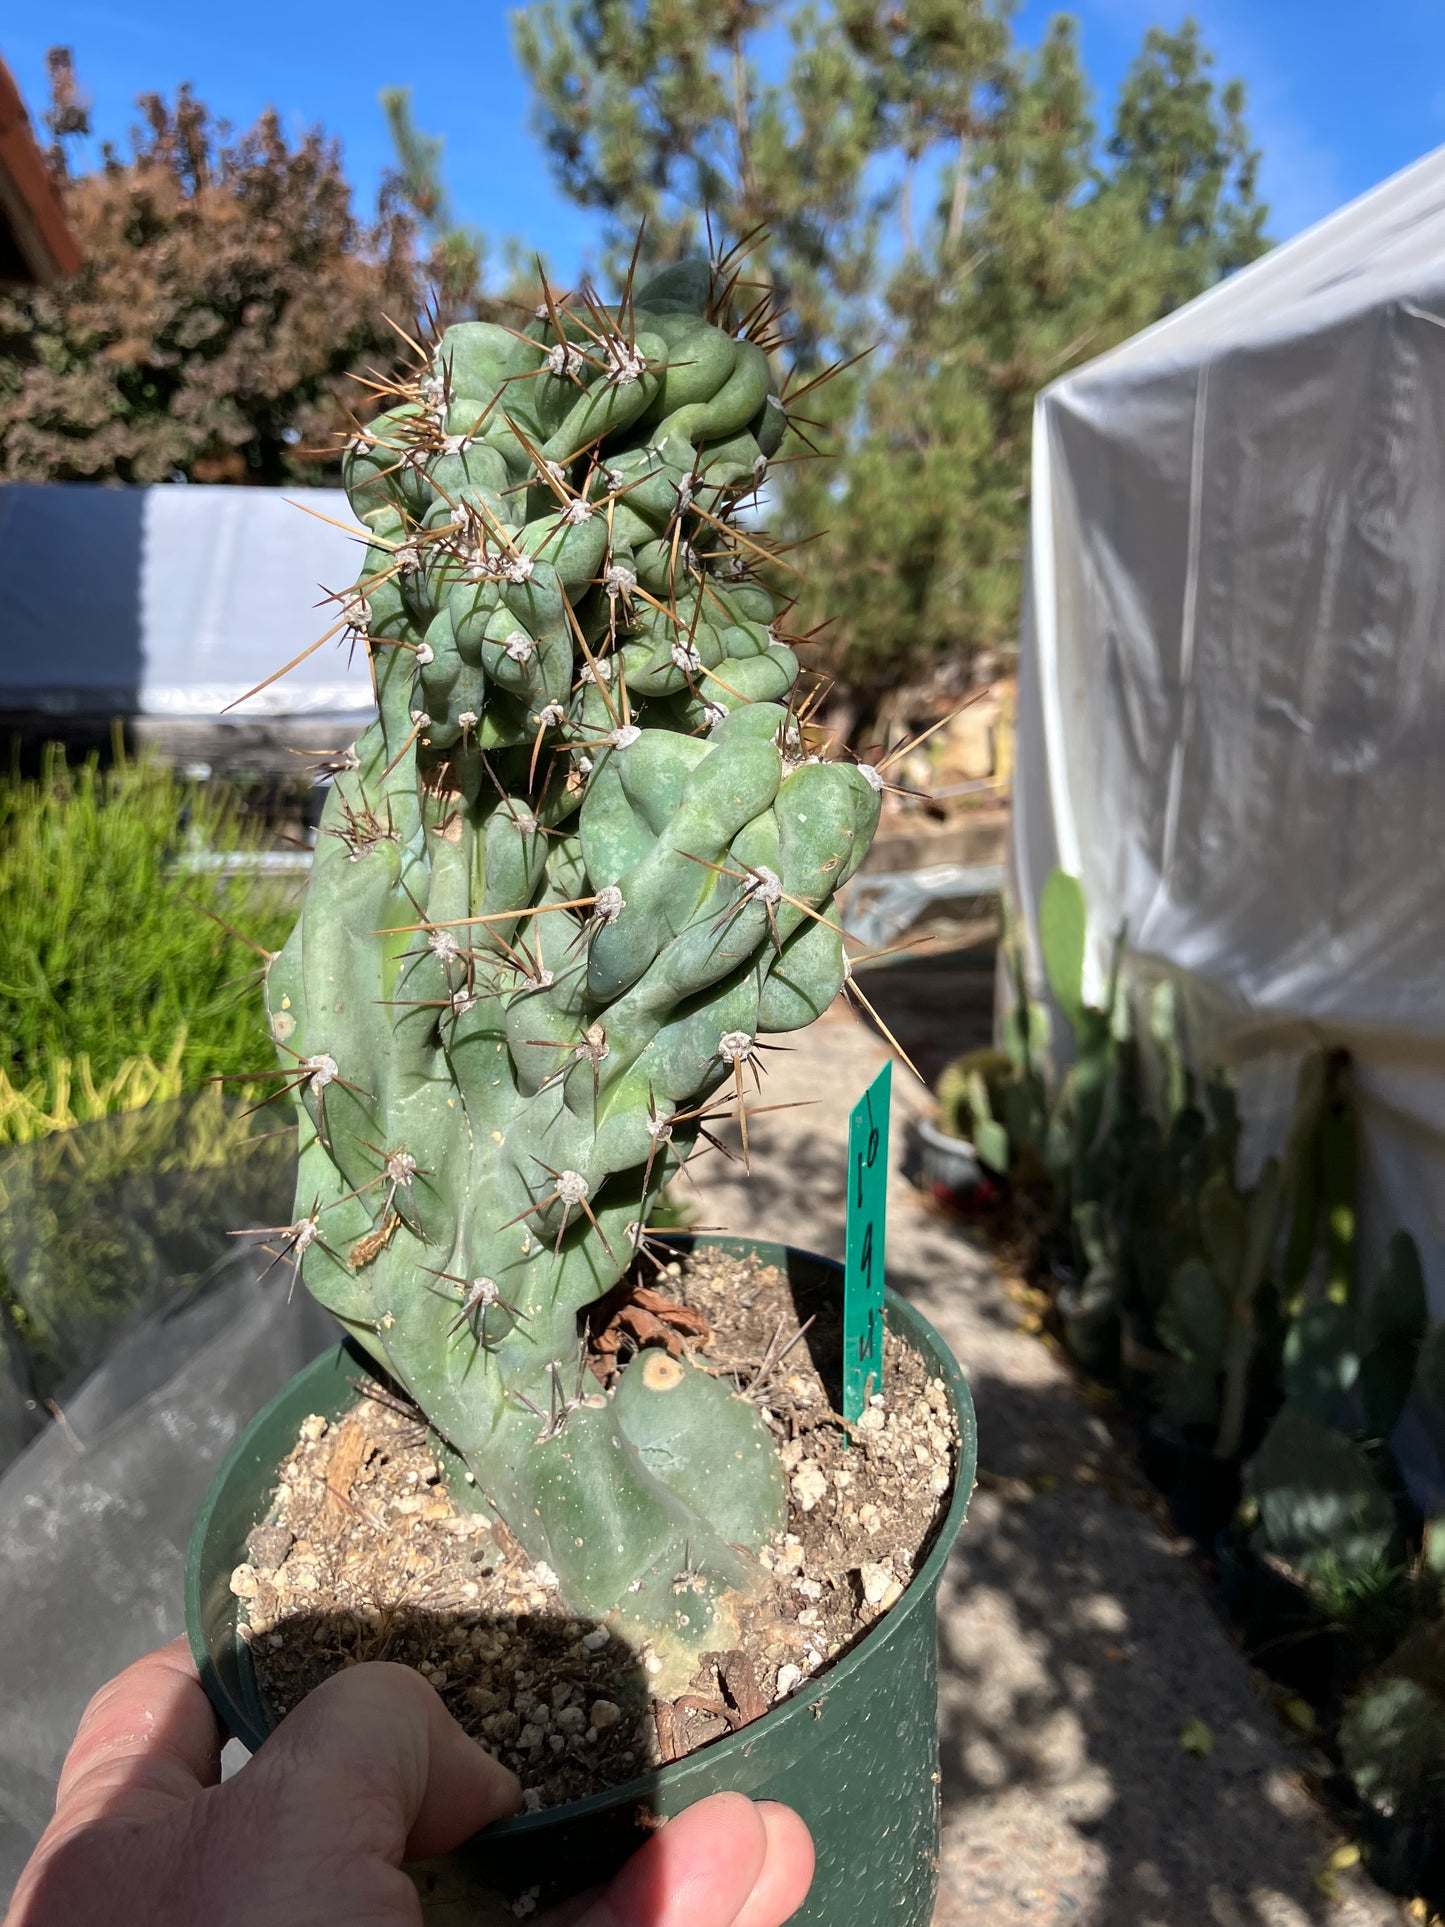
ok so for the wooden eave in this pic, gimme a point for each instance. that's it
(37, 246)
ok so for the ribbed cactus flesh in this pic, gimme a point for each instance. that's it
(577, 867)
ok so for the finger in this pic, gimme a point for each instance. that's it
(375, 1742)
(787, 1872)
(778, 1892)
(698, 1871)
(147, 1743)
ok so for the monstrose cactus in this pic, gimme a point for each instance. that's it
(578, 866)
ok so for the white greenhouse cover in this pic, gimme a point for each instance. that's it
(1232, 686)
(171, 602)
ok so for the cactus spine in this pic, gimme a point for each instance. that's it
(578, 866)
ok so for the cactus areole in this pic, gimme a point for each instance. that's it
(577, 867)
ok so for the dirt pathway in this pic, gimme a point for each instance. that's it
(1076, 1639)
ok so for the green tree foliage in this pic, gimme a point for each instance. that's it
(1182, 158)
(928, 185)
(228, 291)
(1063, 253)
(653, 110)
(456, 252)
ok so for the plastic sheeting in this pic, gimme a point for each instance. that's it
(880, 908)
(131, 1312)
(172, 602)
(1232, 688)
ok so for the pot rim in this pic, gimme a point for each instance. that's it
(937, 1139)
(918, 1595)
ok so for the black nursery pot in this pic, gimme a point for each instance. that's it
(1141, 1366)
(1201, 1490)
(1281, 1629)
(1206, 1489)
(1406, 1854)
(1090, 1331)
(855, 1751)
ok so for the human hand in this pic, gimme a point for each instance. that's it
(369, 1770)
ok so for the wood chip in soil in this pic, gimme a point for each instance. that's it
(365, 1554)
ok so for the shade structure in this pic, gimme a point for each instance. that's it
(1232, 679)
(165, 604)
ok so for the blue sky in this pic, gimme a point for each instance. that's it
(1338, 97)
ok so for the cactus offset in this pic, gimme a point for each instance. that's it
(575, 870)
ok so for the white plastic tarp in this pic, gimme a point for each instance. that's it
(1232, 685)
(171, 602)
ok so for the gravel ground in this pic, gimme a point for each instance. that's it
(1076, 1637)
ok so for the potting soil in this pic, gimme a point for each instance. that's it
(366, 1554)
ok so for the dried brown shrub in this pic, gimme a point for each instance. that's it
(228, 290)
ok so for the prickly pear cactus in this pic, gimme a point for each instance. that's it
(577, 868)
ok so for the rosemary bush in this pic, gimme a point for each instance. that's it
(106, 959)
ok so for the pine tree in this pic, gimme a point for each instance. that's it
(654, 113)
(1182, 156)
(457, 252)
(929, 186)
(1064, 252)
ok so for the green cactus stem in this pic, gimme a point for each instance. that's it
(578, 868)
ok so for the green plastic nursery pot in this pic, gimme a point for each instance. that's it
(855, 1751)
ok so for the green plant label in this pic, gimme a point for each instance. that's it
(866, 1237)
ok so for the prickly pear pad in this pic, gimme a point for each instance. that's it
(579, 867)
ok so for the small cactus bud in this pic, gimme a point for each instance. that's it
(400, 1167)
(735, 1046)
(562, 358)
(356, 614)
(625, 364)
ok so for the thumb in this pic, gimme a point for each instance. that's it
(376, 1743)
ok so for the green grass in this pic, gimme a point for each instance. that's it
(107, 960)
